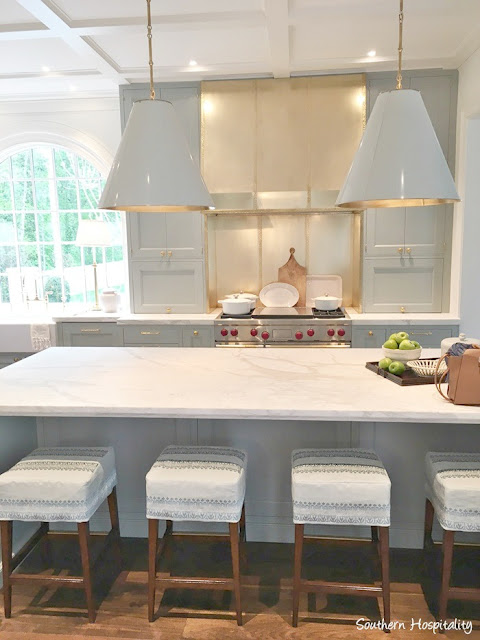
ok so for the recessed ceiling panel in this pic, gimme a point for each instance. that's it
(175, 49)
(57, 86)
(32, 56)
(93, 9)
(13, 13)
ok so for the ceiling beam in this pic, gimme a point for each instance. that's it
(59, 27)
(276, 14)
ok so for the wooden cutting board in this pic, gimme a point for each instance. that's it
(296, 275)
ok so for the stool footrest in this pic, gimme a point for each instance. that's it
(223, 584)
(70, 581)
(464, 593)
(335, 587)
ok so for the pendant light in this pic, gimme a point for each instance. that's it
(153, 169)
(399, 162)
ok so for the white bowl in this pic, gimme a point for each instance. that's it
(402, 355)
(427, 367)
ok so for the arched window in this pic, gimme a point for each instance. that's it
(44, 191)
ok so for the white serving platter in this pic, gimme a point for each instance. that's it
(279, 294)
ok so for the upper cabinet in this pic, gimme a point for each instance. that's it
(295, 144)
(172, 236)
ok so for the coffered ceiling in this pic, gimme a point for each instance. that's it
(59, 48)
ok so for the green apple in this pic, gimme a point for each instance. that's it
(393, 337)
(385, 363)
(401, 336)
(417, 345)
(390, 344)
(397, 368)
(406, 345)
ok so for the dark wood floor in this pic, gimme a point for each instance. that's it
(47, 614)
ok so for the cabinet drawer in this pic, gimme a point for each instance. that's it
(91, 334)
(426, 336)
(152, 335)
(198, 336)
(365, 337)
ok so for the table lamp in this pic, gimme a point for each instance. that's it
(93, 233)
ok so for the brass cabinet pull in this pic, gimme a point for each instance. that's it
(149, 333)
(420, 333)
(400, 249)
(17, 359)
(370, 333)
(195, 333)
(89, 330)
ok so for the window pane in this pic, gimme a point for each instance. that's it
(114, 254)
(68, 226)
(5, 170)
(74, 285)
(89, 194)
(5, 197)
(8, 258)
(47, 257)
(26, 227)
(23, 192)
(45, 229)
(4, 292)
(87, 170)
(71, 256)
(42, 194)
(28, 255)
(54, 284)
(64, 167)
(67, 194)
(112, 218)
(87, 255)
(7, 229)
(42, 162)
(22, 165)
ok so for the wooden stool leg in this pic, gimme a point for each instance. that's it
(385, 558)
(429, 513)
(374, 531)
(234, 546)
(6, 538)
(84, 539)
(113, 509)
(447, 549)
(297, 571)
(152, 565)
(243, 540)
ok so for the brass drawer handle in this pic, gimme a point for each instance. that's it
(149, 333)
(370, 333)
(421, 333)
(89, 330)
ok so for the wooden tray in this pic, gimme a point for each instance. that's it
(407, 379)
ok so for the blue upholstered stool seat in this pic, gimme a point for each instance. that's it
(453, 487)
(197, 483)
(58, 484)
(340, 486)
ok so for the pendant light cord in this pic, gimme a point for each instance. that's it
(400, 46)
(150, 54)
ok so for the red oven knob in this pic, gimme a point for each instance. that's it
(331, 332)
(265, 335)
(253, 332)
(341, 332)
(299, 335)
(224, 332)
(310, 333)
(234, 332)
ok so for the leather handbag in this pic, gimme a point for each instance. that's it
(463, 377)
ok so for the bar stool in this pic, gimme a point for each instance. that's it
(346, 487)
(202, 484)
(61, 484)
(453, 495)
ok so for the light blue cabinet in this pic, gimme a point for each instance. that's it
(417, 240)
(167, 238)
(193, 336)
(373, 336)
(89, 334)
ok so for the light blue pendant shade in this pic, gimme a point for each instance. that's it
(153, 169)
(399, 162)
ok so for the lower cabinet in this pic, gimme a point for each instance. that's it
(9, 358)
(398, 285)
(152, 336)
(89, 334)
(198, 337)
(374, 336)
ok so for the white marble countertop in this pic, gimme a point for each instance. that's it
(274, 384)
(402, 319)
(170, 318)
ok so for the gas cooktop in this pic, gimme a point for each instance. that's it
(286, 313)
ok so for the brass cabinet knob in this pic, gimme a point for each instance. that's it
(370, 333)
(402, 309)
(400, 249)
(169, 253)
(409, 250)
(195, 333)
(169, 310)
(162, 253)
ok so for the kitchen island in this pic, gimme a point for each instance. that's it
(267, 401)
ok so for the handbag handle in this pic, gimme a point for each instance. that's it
(440, 379)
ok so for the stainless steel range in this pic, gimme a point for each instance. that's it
(285, 327)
